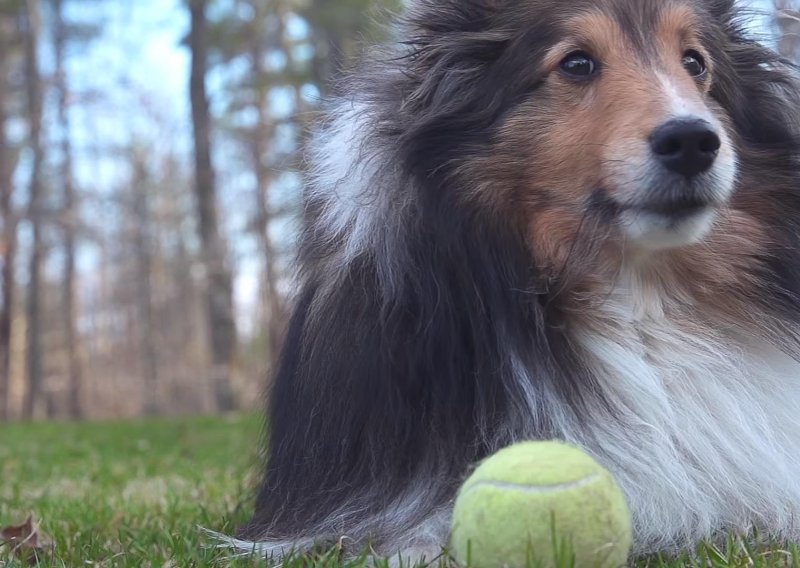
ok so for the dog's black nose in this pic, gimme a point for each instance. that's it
(686, 147)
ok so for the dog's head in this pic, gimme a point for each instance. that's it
(625, 112)
(623, 118)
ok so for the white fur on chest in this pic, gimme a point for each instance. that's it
(707, 429)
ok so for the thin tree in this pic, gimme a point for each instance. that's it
(260, 139)
(788, 21)
(8, 250)
(8, 219)
(222, 327)
(31, 24)
(337, 28)
(69, 215)
(142, 242)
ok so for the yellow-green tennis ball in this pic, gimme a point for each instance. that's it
(538, 504)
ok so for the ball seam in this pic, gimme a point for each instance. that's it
(533, 489)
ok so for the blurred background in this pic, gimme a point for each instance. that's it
(150, 178)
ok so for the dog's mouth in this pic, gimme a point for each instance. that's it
(675, 208)
(664, 223)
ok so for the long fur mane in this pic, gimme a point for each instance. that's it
(424, 338)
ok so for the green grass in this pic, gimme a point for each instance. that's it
(128, 494)
(133, 494)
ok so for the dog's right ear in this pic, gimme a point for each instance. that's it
(466, 4)
(451, 16)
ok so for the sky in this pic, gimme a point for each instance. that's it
(138, 62)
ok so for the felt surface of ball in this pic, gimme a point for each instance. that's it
(508, 511)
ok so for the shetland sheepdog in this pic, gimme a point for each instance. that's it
(545, 219)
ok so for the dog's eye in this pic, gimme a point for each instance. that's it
(694, 63)
(578, 64)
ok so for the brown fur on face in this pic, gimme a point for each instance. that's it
(573, 143)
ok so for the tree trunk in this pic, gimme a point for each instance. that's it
(8, 246)
(261, 135)
(69, 218)
(222, 327)
(144, 291)
(332, 39)
(31, 32)
(788, 19)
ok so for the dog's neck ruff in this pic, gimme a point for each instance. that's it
(705, 432)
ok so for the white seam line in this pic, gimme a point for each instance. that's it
(534, 489)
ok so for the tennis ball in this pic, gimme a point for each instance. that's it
(541, 504)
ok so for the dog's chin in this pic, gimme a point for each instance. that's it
(654, 229)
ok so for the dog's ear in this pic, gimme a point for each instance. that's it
(451, 16)
(464, 30)
(760, 91)
(722, 9)
(454, 4)
(757, 88)
(450, 44)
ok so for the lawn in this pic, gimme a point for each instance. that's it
(128, 494)
(133, 494)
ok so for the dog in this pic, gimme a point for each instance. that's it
(545, 219)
